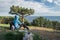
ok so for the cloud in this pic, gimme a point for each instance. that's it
(41, 9)
(57, 2)
(50, 1)
(35, 5)
(6, 4)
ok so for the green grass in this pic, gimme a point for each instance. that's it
(14, 35)
(4, 25)
(10, 35)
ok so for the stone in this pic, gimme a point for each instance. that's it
(28, 35)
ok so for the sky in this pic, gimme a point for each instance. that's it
(41, 7)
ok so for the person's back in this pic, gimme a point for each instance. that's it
(16, 22)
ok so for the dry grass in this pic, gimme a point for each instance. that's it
(46, 33)
(44, 29)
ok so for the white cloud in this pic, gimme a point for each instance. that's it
(57, 2)
(35, 5)
(38, 7)
(50, 1)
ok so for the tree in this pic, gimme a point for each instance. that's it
(38, 21)
(41, 21)
(21, 11)
(56, 24)
(27, 22)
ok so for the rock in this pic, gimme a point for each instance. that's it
(28, 35)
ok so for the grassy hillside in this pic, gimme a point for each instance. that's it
(45, 33)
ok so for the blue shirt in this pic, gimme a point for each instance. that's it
(16, 21)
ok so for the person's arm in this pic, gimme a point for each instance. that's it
(19, 22)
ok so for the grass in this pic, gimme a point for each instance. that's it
(45, 29)
(46, 33)
(4, 25)
(3, 31)
(31, 27)
(14, 35)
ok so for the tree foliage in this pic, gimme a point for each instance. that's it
(6, 19)
(43, 22)
(21, 11)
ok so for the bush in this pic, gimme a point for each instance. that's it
(14, 36)
(19, 36)
(36, 37)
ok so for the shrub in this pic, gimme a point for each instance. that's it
(36, 37)
(19, 36)
(14, 36)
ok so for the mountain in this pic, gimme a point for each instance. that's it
(52, 18)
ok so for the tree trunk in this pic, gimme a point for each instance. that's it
(22, 18)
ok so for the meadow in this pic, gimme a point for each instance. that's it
(45, 33)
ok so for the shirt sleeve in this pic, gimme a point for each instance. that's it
(19, 22)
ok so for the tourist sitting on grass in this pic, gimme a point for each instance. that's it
(16, 24)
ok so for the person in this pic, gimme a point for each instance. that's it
(17, 24)
(12, 26)
(25, 26)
